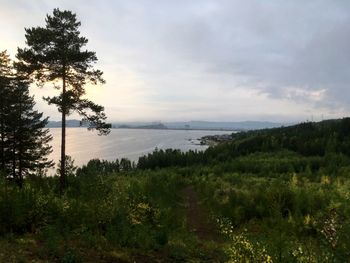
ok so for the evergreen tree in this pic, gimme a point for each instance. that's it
(24, 141)
(70, 166)
(27, 138)
(55, 54)
(5, 80)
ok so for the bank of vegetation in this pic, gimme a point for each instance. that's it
(277, 195)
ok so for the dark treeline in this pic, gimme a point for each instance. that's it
(103, 167)
(170, 157)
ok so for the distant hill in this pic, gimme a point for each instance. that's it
(244, 125)
(190, 125)
(69, 123)
(203, 125)
(144, 126)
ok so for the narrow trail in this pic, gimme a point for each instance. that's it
(198, 220)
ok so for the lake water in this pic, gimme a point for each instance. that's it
(84, 145)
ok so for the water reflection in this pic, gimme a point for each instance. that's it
(84, 145)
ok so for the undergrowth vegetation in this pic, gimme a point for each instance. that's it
(279, 195)
(296, 217)
(134, 211)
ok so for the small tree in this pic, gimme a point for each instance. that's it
(55, 54)
(69, 165)
(125, 165)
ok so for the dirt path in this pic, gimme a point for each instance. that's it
(198, 220)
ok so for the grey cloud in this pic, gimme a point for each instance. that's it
(196, 50)
(268, 46)
(275, 46)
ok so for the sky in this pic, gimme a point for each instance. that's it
(219, 60)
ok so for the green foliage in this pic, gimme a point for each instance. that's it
(298, 217)
(103, 167)
(70, 168)
(271, 204)
(243, 250)
(23, 138)
(126, 211)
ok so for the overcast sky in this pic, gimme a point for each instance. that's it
(222, 60)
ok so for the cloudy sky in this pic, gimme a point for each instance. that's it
(224, 60)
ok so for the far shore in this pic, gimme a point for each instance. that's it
(169, 129)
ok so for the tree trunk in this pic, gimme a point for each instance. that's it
(63, 138)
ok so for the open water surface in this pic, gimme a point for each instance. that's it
(84, 145)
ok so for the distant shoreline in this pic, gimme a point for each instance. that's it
(167, 129)
(186, 125)
(180, 129)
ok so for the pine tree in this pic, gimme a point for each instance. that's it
(70, 167)
(28, 140)
(5, 80)
(24, 141)
(55, 54)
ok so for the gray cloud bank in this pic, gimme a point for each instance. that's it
(203, 57)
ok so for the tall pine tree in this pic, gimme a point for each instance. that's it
(24, 139)
(5, 81)
(56, 54)
(28, 140)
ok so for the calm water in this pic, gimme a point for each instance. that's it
(84, 145)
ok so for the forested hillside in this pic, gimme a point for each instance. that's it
(307, 139)
(274, 195)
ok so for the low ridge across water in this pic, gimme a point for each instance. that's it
(84, 145)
